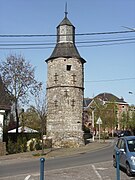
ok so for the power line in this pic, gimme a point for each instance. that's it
(80, 46)
(110, 80)
(54, 41)
(51, 35)
(79, 42)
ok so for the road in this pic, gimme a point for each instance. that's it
(88, 165)
(17, 167)
(81, 159)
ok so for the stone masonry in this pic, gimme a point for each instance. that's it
(65, 91)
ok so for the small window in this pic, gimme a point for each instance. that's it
(68, 67)
(56, 103)
(73, 103)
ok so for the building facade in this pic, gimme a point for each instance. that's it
(65, 89)
(100, 102)
(5, 108)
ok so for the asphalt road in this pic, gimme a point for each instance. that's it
(89, 166)
(80, 159)
(19, 166)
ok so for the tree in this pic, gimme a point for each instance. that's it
(40, 109)
(18, 77)
(30, 118)
(107, 112)
(132, 117)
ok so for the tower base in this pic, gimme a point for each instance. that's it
(67, 140)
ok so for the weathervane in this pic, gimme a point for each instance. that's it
(66, 10)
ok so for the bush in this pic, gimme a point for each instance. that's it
(105, 135)
(19, 146)
(34, 144)
(11, 147)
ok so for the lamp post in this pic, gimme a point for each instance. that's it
(92, 108)
(2, 113)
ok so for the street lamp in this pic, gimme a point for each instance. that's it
(93, 108)
(130, 92)
(2, 113)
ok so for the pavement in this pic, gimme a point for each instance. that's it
(96, 171)
(58, 152)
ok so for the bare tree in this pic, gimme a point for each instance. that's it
(40, 109)
(18, 77)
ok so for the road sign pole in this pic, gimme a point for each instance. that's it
(93, 124)
(99, 132)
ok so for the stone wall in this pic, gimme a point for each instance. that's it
(2, 148)
(65, 101)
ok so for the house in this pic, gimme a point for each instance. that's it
(24, 129)
(5, 107)
(103, 99)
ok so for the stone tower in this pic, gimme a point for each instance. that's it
(65, 89)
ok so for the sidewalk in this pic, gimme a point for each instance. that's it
(51, 153)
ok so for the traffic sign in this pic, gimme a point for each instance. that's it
(99, 121)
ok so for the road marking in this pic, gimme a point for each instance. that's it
(27, 178)
(96, 172)
(101, 168)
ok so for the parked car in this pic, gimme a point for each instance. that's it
(126, 148)
(124, 133)
(116, 132)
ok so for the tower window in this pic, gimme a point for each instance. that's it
(56, 77)
(68, 67)
(56, 103)
(74, 76)
(66, 93)
(73, 103)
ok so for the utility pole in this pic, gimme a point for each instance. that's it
(92, 108)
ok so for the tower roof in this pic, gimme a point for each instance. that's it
(65, 21)
(65, 46)
(67, 50)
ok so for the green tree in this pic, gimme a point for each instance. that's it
(132, 117)
(30, 118)
(124, 123)
(19, 78)
(107, 112)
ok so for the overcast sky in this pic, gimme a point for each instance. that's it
(110, 65)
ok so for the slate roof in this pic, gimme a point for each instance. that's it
(67, 50)
(106, 97)
(5, 102)
(65, 21)
(86, 102)
(109, 97)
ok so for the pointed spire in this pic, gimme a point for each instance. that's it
(66, 10)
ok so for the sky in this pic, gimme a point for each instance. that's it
(110, 58)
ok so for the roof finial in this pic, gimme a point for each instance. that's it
(66, 10)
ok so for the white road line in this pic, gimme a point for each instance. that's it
(27, 178)
(96, 172)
